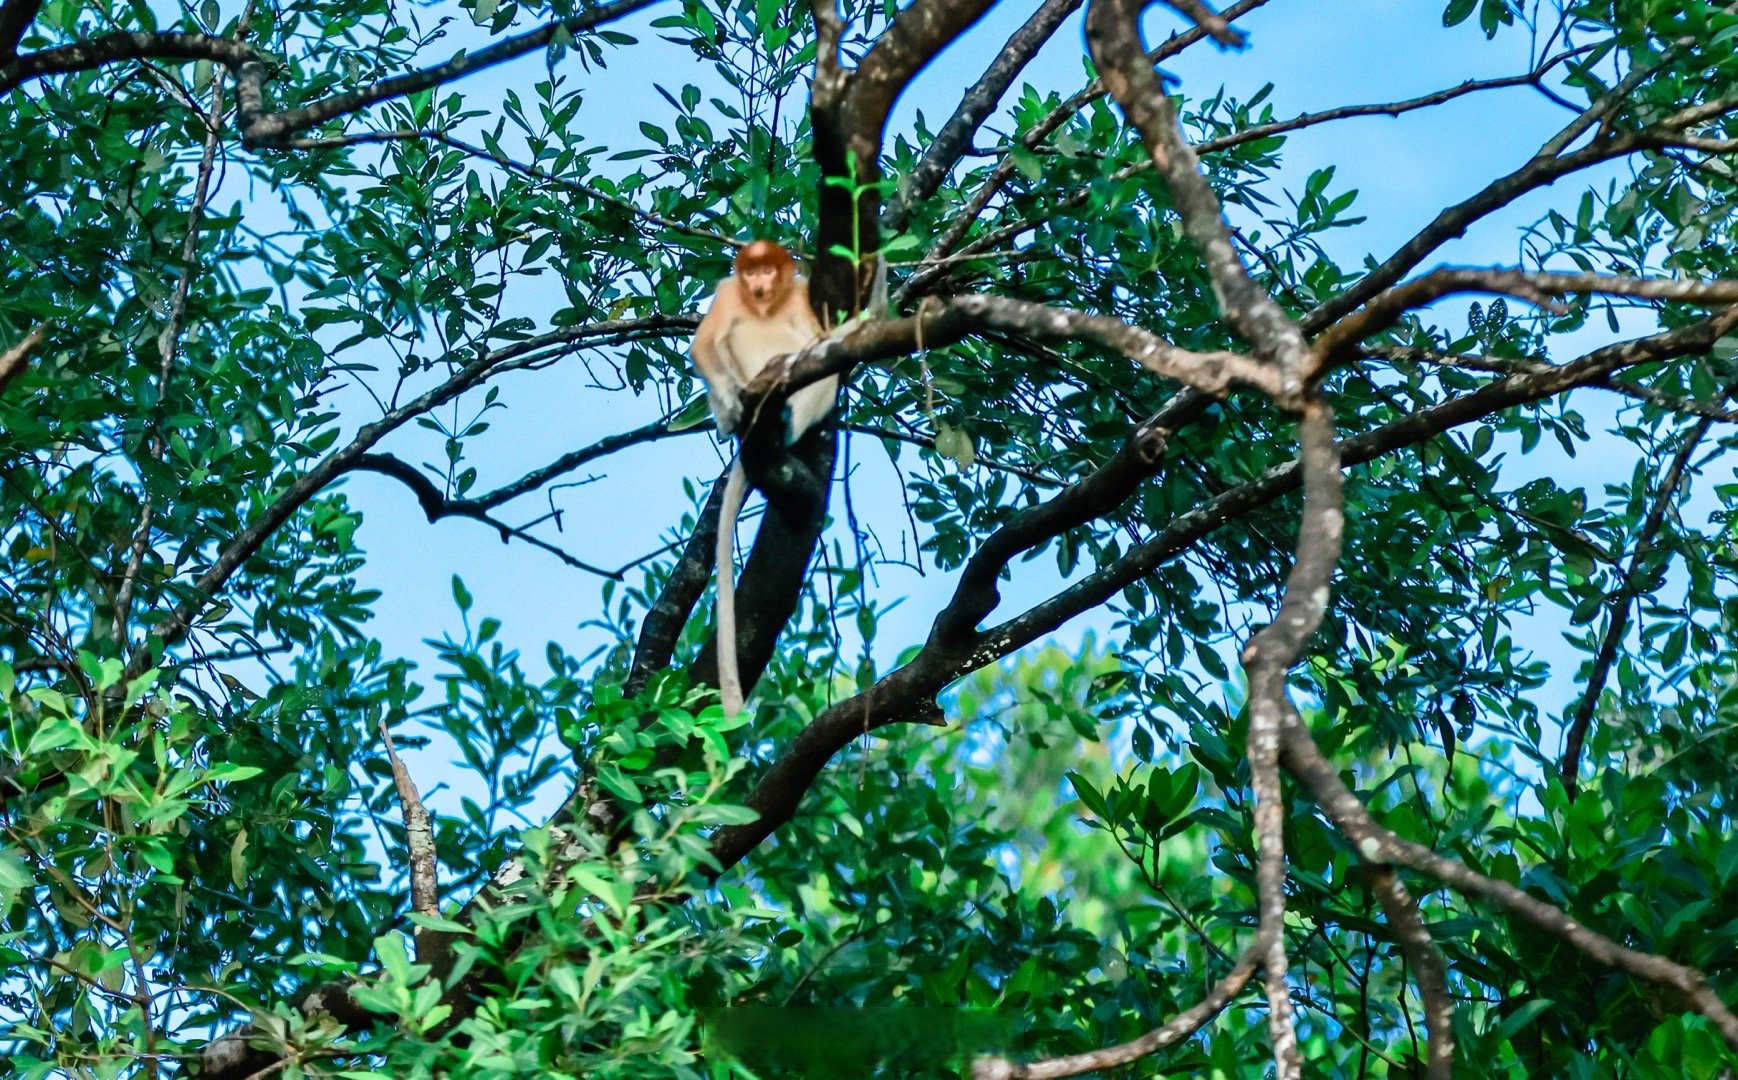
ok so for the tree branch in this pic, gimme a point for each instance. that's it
(1336, 343)
(1634, 585)
(15, 360)
(1419, 948)
(955, 137)
(436, 506)
(1038, 133)
(260, 128)
(1185, 1024)
(242, 546)
(1113, 36)
(1377, 844)
(419, 842)
(1547, 165)
(15, 19)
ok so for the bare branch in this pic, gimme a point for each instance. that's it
(566, 463)
(1204, 17)
(419, 840)
(240, 547)
(1266, 659)
(943, 323)
(109, 48)
(436, 506)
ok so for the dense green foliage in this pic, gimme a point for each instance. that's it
(199, 817)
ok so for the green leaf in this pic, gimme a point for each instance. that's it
(229, 774)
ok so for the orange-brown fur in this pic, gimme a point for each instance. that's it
(758, 314)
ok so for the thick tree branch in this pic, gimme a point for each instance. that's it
(1113, 36)
(1208, 20)
(1267, 658)
(941, 323)
(15, 19)
(977, 593)
(1419, 948)
(662, 625)
(848, 112)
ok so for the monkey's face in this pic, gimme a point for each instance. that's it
(762, 284)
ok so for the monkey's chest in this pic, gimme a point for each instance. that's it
(750, 344)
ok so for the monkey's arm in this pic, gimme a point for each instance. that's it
(723, 382)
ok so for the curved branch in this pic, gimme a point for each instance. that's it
(1183, 1025)
(1420, 951)
(242, 546)
(1336, 342)
(1545, 167)
(436, 505)
(262, 128)
(1378, 844)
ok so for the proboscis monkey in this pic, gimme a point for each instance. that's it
(759, 313)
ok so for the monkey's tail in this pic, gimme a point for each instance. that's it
(729, 678)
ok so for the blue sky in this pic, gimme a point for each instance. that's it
(1406, 169)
